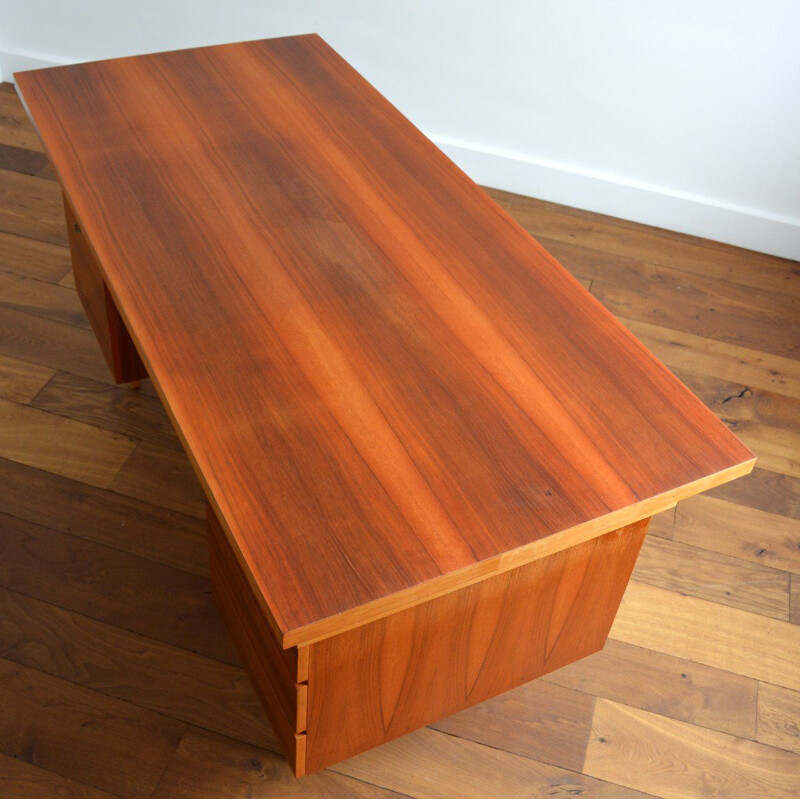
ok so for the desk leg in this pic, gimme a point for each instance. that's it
(115, 341)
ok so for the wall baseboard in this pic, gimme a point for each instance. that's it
(12, 61)
(617, 197)
(581, 188)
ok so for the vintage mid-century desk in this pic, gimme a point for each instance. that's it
(429, 455)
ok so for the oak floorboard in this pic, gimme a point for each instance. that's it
(736, 265)
(542, 721)
(52, 344)
(31, 206)
(409, 413)
(747, 534)
(63, 446)
(777, 450)
(20, 779)
(763, 490)
(708, 309)
(209, 765)
(723, 579)
(15, 129)
(21, 381)
(115, 649)
(748, 259)
(41, 299)
(80, 734)
(700, 292)
(107, 518)
(718, 636)
(33, 259)
(738, 402)
(108, 585)
(704, 356)
(20, 159)
(185, 686)
(778, 717)
(677, 759)
(673, 687)
(68, 280)
(163, 476)
(428, 763)
(114, 408)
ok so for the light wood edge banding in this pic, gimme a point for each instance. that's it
(541, 548)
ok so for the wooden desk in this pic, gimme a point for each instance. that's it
(429, 454)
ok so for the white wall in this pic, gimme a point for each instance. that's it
(680, 113)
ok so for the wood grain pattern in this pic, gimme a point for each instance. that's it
(34, 259)
(30, 207)
(402, 362)
(703, 356)
(109, 660)
(673, 687)
(212, 766)
(656, 246)
(540, 720)
(51, 344)
(680, 625)
(21, 381)
(42, 713)
(429, 763)
(712, 576)
(274, 671)
(109, 518)
(375, 683)
(779, 717)
(162, 475)
(106, 584)
(119, 350)
(676, 759)
(746, 533)
(20, 779)
(41, 299)
(134, 414)
(766, 491)
(61, 445)
(113, 664)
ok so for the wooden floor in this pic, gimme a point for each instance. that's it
(117, 678)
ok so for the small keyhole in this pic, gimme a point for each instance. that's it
(77, 228)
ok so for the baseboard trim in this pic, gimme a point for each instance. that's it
(580, 188)
(617, 197)
(12, 61)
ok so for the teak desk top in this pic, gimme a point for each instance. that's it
(388, 389)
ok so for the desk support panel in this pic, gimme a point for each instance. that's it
(109, 328)
(387, 678)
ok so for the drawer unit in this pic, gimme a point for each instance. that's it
(347, 693)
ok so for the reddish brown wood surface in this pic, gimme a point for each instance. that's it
(112, 335)
(375, 683)
(387, 388)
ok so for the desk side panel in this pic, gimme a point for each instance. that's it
(118, 348)
(392, 676)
